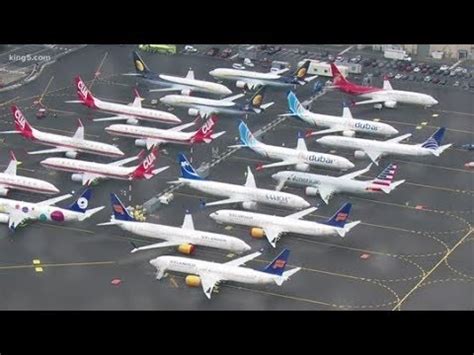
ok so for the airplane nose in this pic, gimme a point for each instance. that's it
(227, 91)
(435, 102)
(393, 131)
(213, 72)
(348, 165)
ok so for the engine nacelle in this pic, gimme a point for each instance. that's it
(348, 133)
(71, 155)
(132, 121)
(186, 249)
(186, 92)
(3, 192)
(257, 233)
(311, 191)
(359, 154)
(390, 104)
(193, 281)
(302, 167)
(4, 218)
(250, 205)
(76, 177)
(193, 112)
(140, 142)
(241, 84)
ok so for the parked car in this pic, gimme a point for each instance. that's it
(456, 83)
(427, 79)
(443, 81)
(398, 76)
(411, 77)
(190, 49)
(444, 67)
(446, 73)
(212, 51)
(416, 70)
(390, 76)
(452, 73)
(226, 53)
(238, 66)
(404, 77)
(435, 80)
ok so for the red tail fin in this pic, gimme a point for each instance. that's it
(204, 133)
(83, 92)
(144, 170)
(21, 124)
(337, 77)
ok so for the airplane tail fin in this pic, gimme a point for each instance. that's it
(145, 169)
(85, 96)
(246, 137)
(302, 71)
(294, 105)
(205, 133)
(120, 212)
(384, 181)
(187, 170)
(257, 99)
(337, 77)
(82, 202)
(340, 217)
(277, 266)
(21, 124)
(433, 143)
(140, 66)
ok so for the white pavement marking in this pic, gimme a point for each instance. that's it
(456, 64)
(345, 50)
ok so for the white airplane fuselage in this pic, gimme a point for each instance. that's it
(400, 96)
(193, 85)
(250, 194)
(266, 79)
(24, 183)
(141, 132)
(287, 225)
(184, 236)
(209, 105)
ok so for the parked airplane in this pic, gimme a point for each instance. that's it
(16, 213)
(186, 238)
(148, 136)
(326, 186)
(70, 146)
(132, 113)
(206, 107)
(185, 86)
(274, 226)
(346, 124)
(9, 180)
(386, 95)
(208, 274)
(251, 80)
(86, 172)
(249, 195)
(376, 149)
(300, 157)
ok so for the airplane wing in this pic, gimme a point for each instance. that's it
(188, 222)
(301, 214)
(356, 173)
(123, 161)
(181, 127)
(15, 218)
(156, 245)
(208, 282)
(242, 260)
(325, 192)
(279, 164)
(54, 200)
(233, 97)
(325, 131)
(373, 155)
(281, 71)
(165, 89)
(371, 101)
(227, 201)
(250, 181)
(399, 139)
(51, 151)
(112, 118)
(273, 234)
(88, 178)
(152, 142)
(205, 111)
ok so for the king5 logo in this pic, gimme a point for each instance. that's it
(82, 88)
(149, 160)
(20, 119)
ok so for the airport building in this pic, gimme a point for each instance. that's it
(437, 51)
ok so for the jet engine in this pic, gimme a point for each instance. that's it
(348, 133)
(186, 92)
(241, 84)
(76, 177)
(3, 192)
(4, 218)
(71, 155)
(193, 112)
(193, 281)
(390, 103)
(302, 167)
(257, 233)
(140, 142)
(132, 121)
(311, 191)
(186, 249)
(249, 205)
(359, 154)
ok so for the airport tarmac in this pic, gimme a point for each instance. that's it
(413, 249)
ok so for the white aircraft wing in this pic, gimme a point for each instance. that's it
(374, 155)
(281, 71)
(279, 164)
(356, 173)
(151, 142)
(51, 151)
(328, 130)
(112, 118)
(273, 234)
(301, 214)
(206, 111)
(16, 217)
(123, 161)
(253, 84)
(188, 222)
(325, 192)
(87, 178)
(54, 200)
(165, 89)
(399, 139)
(242, 260)
(208, 282)
(181, 127)
(156, 245)
(371, 101)
(233, 97)
(227, 201)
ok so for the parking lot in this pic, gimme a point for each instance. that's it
(412, 251)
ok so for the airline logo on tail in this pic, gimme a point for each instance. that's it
(280, 263)
(82, 202)
(83, 92)
(257, 100)
(205, 132)
(341, 217)
(384, 179)
(118, 209)
(277, 266)
(187, 171)
(144, 169)
(139, 65)
(21, 124)
(435, 140)
(338, 78)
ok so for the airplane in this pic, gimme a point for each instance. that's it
(186, 238)
(249, 195)
(376, 149)
(148, 136)
(209, 274)
(132, 113)
(300, 157)
(87, 172)
(185, 86)
(274, 226)
(206, 107)
(250, 80)
(346, 124)
(326, 186)
(385, 96)
(9, 180)
(16, 213)
(70, 146)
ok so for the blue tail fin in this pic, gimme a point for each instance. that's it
(435, 140)
(294, 104)
(120, 212)
(340, 217)
(187, 170)
(246, 137)
(277, 266)
(82, 202)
